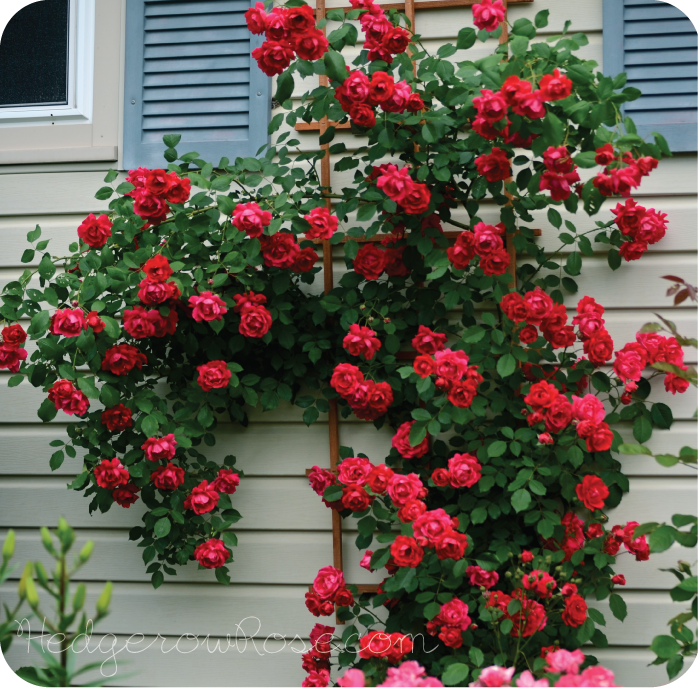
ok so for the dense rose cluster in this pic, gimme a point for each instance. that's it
(640, 227)
(397, 184)
(256, 320)
(66, 397)
(536, 309)
(450, 622)
(282, 250)
(485, 241)
(410, 674)
(454, 376)
(369, 400)
(560, 173)
(360, 94)
(11, 351)
(328, 590)
(621, 180)
(288, 32)
(153, 190)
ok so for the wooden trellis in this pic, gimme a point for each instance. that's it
(409, 8)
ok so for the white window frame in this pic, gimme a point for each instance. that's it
(81, 65)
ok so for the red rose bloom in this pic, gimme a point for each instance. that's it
(256, 321)
(428, 342)
(530, 618)
(574, 614)
(320, 479)
(451, 545)
(495, 263)
(304, 261)
(540, 582)
(424, 366)
(605, 154)
(68, 322)
(379, 478)
(226, 481)
(159, 447)
(11, 356)
(213, 375)
(149, 207)
(110, 473)
(488, 14)
(328, 582)
(528, 335)
(369, 261)
(464, 470)
(527, 556)
(212, 554)
(126, 495)
(279, 250)
(14, 334)
(559, 415)
(440, 477)
(67, 398)
(600, 438)
(95, 231)
(542, 395)
(323, 224)
(117, 418)
(495, 166)
(462, 252)
(514, 307)
(599, 347)
(121, 359)
(619, 580)
(344, 598)
(416, 200)
(406, 552)
(346, 378)
(157, 268)
(555, 86)
(451, 636)
(202, 499)
(300, 19)
(411, 510)
(363, 115)
(273, 57)
(309, 46)
(401, 442)
(249, 217)
(355, 498)
(361, 341)
(168, 477)
(592, 492)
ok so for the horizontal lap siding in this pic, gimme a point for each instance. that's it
(285, 532)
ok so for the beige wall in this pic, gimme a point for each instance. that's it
(285, 533)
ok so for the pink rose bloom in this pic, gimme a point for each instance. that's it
(355, 470)
(588, 408)
(451, 365)
(527, 680)
(321, 479)
(160, 448)
(488, 239)
(366, 559)
(404, 487)
(589, 323)
(464, 471)
(394, 182)
(596, 677)
(251, 218)
(353, 678)
(455, 614)
(563, 661)
(361, 340)
(480, 577)
(493, 676)
(323, 224)
(430, 682)
(431, 526)
(488, 15)
(207, 307)
(328, 582)
(629, 364)
(408, 675)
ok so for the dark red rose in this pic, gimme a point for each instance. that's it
(406, 552)
(369, 261)
(14, 334)
(574, 614)
(355, 498)
(273, 57)
(168, 477)
(95, 231)
(121, 359)
(592, 492)
(117, 418)
(126, 495)
(212, 554)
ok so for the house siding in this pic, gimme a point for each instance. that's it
(285, 535)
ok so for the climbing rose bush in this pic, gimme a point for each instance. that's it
(194, 298)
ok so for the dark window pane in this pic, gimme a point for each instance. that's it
(34, 56)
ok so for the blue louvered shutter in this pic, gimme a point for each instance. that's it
(189, 71)
(657, 46)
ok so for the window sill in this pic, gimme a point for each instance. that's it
(59, 155)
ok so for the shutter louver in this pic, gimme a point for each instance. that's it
(189, 71)
(657, 46)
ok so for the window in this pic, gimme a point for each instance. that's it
(189, 71)
(657, 46)
(46, 63)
